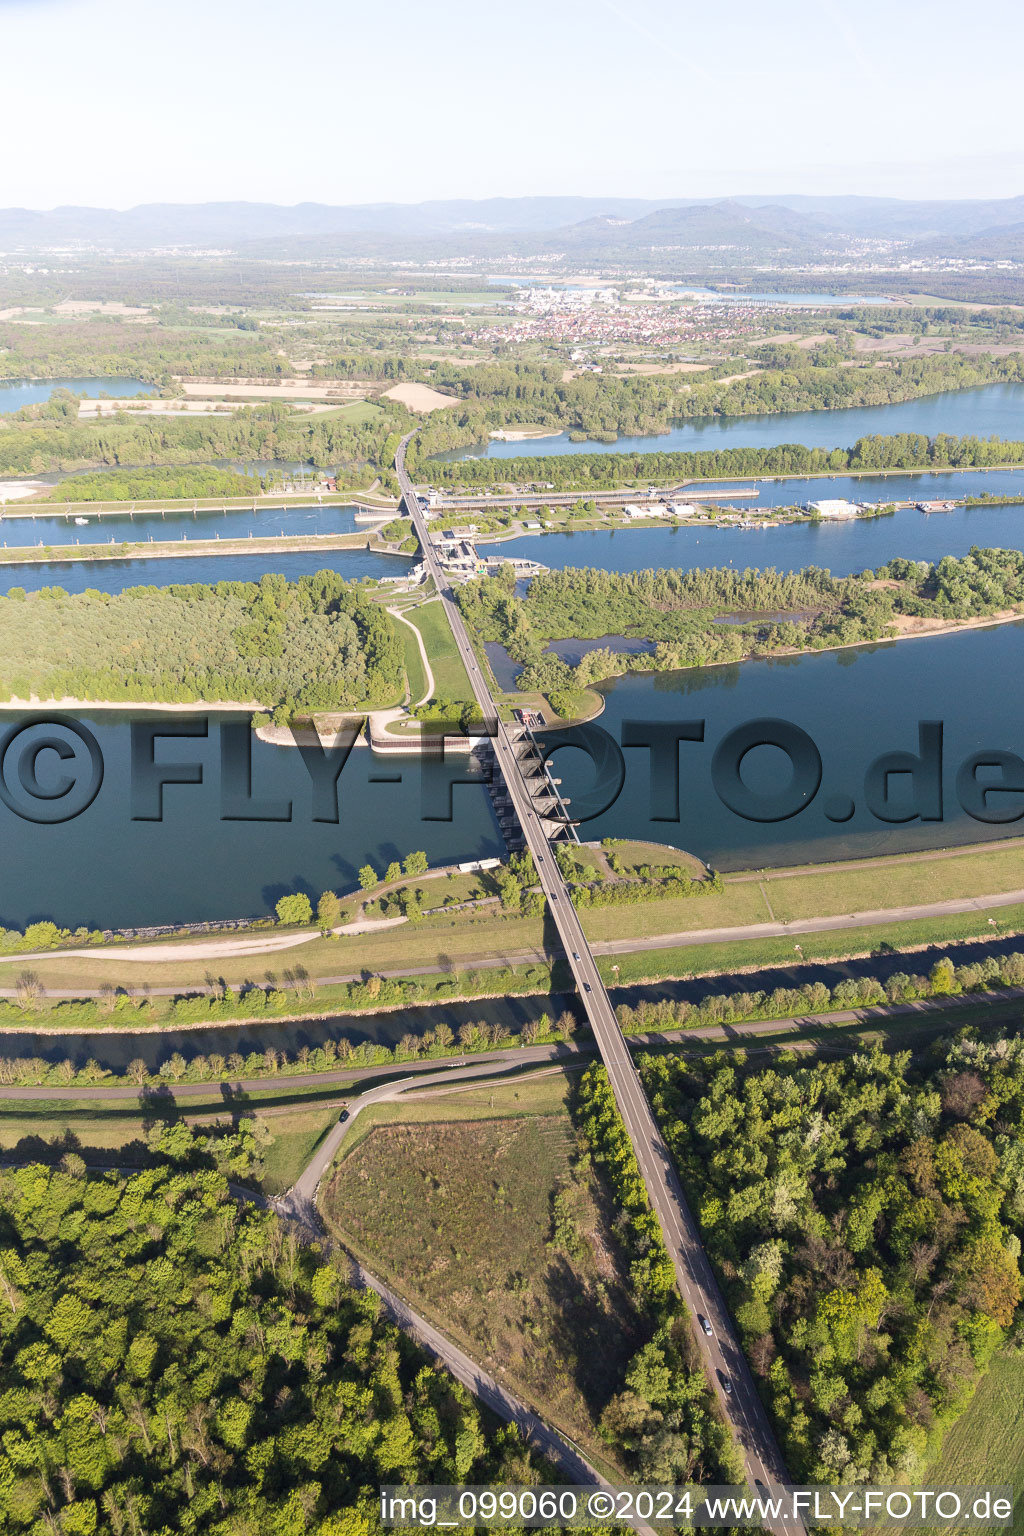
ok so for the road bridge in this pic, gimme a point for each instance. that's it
(718, 1344)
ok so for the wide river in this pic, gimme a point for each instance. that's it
(992, 410)
(106, 869)
(103, 868)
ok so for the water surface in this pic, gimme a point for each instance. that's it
(992, 410)
(842, 547)
(14, 393)
(75, 524)
(116, 575)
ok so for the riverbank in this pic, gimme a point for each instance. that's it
(665, 936)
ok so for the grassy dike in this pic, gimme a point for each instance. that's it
(458, 943)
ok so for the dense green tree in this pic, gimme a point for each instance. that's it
(328, 911)
(296, 908)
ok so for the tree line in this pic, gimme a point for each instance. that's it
(46, 438)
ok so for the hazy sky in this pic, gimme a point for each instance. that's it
(117, 102)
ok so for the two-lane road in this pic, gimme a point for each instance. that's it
(726, 1365)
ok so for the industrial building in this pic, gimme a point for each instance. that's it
(834, 509)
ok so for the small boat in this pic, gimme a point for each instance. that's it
(80, 522)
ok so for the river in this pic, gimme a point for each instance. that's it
(169, 571)
(105, 869)
(992, 410)
(14, 393)
(842, 547)
(18, 529)
(855, 704)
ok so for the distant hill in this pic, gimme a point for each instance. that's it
(612, 227)
(701, 226)
(230, 224)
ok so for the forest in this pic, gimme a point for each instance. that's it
(682, 611)
(155, 484)
(865, 1218)
(173, 1361)
(664, 1421)
(318, 643)
(43, 438)
(97, 349)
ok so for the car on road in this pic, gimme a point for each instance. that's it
(343, 1117)
(726, 1383)
(575, 954)
(705, 1325)
(586, 986)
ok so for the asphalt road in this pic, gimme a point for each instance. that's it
(720, 1349)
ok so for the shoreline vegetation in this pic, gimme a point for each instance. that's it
(860, 1005)
(769, 613)
(501, 395)
(468, 947)
(56, 646)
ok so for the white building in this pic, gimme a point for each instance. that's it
(834, 509)
(682, 509)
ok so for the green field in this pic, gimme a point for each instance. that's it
(359, 413)
(986, 1445)
(836, 944)
(450, 680)
(899, 882)
(295, 1137)
(454, 1201)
